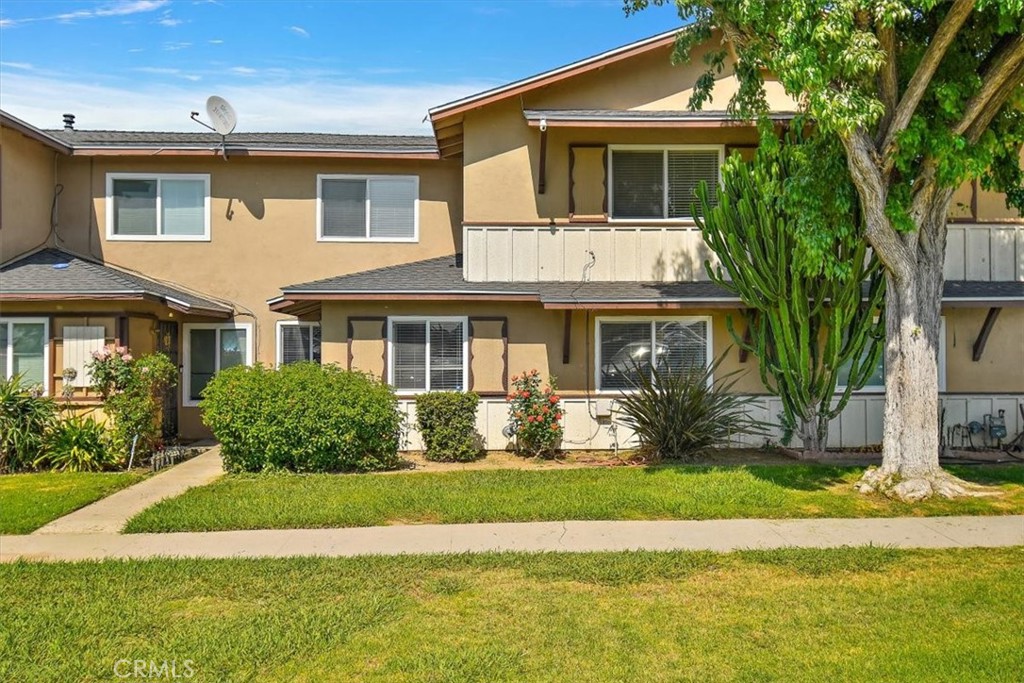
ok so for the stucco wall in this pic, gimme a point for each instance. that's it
(263, 227)
(1001, 368)
(26, 193)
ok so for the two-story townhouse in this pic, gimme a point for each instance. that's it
(545, 225)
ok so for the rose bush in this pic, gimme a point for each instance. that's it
(535, 415)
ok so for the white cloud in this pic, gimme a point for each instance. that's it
(18, 65)
(169, 22)
(243, 70)
(287, 105)
(216, 41)
(175, 46)
(299, 31)
(114, 9)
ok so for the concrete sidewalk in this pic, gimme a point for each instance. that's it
(109, 515)
(718, 535)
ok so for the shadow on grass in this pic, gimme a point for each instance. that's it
(989, 475)
(798, 476)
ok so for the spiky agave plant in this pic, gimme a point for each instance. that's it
(680, 413)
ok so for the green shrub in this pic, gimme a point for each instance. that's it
(302, 417)
(447, 423)
(25, 418)
(535, 415)
(681, 414)
(77, 444)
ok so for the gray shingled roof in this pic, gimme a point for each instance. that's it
(63, 275)
(444, 276)
(408, 144)
(637, 115)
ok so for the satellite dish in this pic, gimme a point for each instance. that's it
(222, 114)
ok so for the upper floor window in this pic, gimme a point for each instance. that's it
(367, 208)
(659, 182)
(165, 207)
(630, 347)
(24, 350)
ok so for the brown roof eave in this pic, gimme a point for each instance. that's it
(30, 131)
(251, 152)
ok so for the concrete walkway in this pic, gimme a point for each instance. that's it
(109, 515)
(718, 535)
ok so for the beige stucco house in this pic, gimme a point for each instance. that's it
(546, 224)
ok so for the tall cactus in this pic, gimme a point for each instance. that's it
(804, 320)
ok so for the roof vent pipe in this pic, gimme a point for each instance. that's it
(69, 121)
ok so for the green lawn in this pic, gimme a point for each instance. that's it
(28, 501)
(868, 614)
(311, 501)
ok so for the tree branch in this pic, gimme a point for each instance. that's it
(897, 257)
(918, 84)
(1001, 78)
(888, 84)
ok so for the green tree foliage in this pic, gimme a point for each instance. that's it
(921, 97)
(806, 316)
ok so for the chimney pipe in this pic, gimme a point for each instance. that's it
(69, 121)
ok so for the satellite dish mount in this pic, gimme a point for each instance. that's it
(224, 119)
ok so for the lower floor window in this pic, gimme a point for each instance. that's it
(297, 341)
(428, 354)
(631, 348)
(24, 345)
(210, 348)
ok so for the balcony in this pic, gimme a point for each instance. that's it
(631, 253)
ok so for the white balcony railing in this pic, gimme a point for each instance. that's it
(624, 253)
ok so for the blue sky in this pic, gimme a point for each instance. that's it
(342, 66)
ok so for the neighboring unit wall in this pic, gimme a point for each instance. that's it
(263, 232)
(26, 193)
(1001, 367)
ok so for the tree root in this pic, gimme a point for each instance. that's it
(921, 486)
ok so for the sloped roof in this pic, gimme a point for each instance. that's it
(27, 129)
(645, 117)
(83, 141)
(441, 278)
(57, 274)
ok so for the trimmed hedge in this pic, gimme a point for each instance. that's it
(302, 417)
(447, 423)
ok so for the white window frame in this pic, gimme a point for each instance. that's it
(880, 388)
(426, 320)
(159, 236)
(707, 319)
(8, 351)
(186, 371)
(665, 149)
(281, 324)
(321, 237)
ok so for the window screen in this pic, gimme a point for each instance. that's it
(202, 360)
(410, 355)
(184, 207)
(134, 206)
(685, 171)
(300, 343)
(446, 356)
(638, 184)
(392, 208)
(344, 208)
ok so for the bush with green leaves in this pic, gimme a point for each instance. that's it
(447, 423)
(302, 417)
(132, 390)
(535, 415)
(681, 413)
(25, 418)
(77, 444)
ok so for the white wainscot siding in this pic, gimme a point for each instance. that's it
(991, 252)
(621, 253)
(859, 425)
